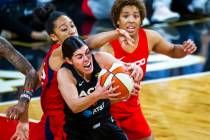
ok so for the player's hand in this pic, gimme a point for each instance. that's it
(136, 71)
(22, 132)
(15, 111)
(189, 46)
(136, 89)
(125, 39)
(106, 92)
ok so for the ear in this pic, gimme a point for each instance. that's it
(69, 61)
(118, 22)
(54, 37)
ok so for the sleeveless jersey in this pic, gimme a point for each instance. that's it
(93, 114)
(138, 56)
(51, 99)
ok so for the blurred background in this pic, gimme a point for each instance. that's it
(176, 20)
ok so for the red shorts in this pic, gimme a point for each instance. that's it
(8, 127)
(50, 127)
(132, 122)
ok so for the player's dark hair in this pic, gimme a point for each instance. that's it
(46, 16)
(70, 45)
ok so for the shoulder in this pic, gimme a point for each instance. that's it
(153, 38)
(151, 33)
(64, 72)
(56, 59)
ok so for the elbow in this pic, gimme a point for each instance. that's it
(75, 109)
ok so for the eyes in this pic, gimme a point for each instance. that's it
(135, 16)
(65, 27)
(81, 56)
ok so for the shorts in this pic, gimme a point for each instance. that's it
(49, 128)
(100, 131)
(8, 127)
(133, 124)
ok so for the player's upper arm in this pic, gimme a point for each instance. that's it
(158, 44)
(67, 86)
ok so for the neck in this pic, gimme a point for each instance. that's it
(86, 77)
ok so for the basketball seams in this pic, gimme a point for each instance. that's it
(123, 89)
(117, 73)
(124, 77)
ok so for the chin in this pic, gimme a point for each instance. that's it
(89, 71)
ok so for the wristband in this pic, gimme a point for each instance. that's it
(26, 95)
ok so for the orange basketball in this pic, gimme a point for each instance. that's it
(121, 78)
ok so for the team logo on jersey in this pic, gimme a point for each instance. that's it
(98, 108)
(87, 113)
(80, 84)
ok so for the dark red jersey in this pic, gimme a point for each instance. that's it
(51, 99)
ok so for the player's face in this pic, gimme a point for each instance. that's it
(129, 19)
(64, 28)
(82, 60)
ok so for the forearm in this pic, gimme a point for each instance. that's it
(31, 81)
(82, 103)
(178, 51)
(98, 40)
(24, 117)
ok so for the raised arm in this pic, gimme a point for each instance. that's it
(98, 40)
(160, 45)
(20, 63)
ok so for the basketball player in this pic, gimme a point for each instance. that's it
(86, 102)
(128, 15)
(20, 63)
(59, 27)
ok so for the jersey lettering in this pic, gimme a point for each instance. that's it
(140, 62)
(84, 93)
(98, 108)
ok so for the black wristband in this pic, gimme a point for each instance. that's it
(26, 96)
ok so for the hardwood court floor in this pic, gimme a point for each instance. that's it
(176, 108)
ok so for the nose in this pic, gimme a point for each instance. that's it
(131, 19)
(71, 32)
(85, 58)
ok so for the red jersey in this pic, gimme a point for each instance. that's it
(51, 98)
(138, 56)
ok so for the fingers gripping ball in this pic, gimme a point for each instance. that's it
(121, 78)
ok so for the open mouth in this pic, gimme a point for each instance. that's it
(130, 28)
(88, 66)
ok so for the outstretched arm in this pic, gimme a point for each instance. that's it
(158, 44)
(98, 40)
(20, 63)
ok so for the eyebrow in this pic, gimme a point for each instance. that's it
(81, 54)
(129, 12)
(65, 23)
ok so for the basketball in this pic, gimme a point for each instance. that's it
(121, 78)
